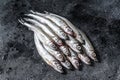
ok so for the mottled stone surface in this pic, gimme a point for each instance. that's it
(99, 19)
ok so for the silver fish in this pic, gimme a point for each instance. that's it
(84, 58)
(65, 50)
(67, 64)
(53, 26)
(80, 36)
(58, 41)
(59, 56)
(57, 21)
(47, 30)
(70, 25)
(74, 44)
(44, 37)
(51, 34)
(88, 47)
(74, 59)
(50, 60)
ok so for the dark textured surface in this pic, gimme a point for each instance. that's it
(99, 19)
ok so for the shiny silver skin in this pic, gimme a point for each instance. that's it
(49, 59)
(58, 41)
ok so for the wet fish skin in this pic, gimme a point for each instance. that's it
(58, 41)
(49, 59)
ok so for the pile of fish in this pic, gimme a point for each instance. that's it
(58, 41)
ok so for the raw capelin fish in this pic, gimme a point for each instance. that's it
(58, 41)
(80, 36)
(53, 26)
(49, 59)
(49, 31)
(44, 38)
(57, 21)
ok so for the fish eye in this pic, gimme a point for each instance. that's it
(63, 35)
(52, 45)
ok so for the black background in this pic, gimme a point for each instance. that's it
(99, 19)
